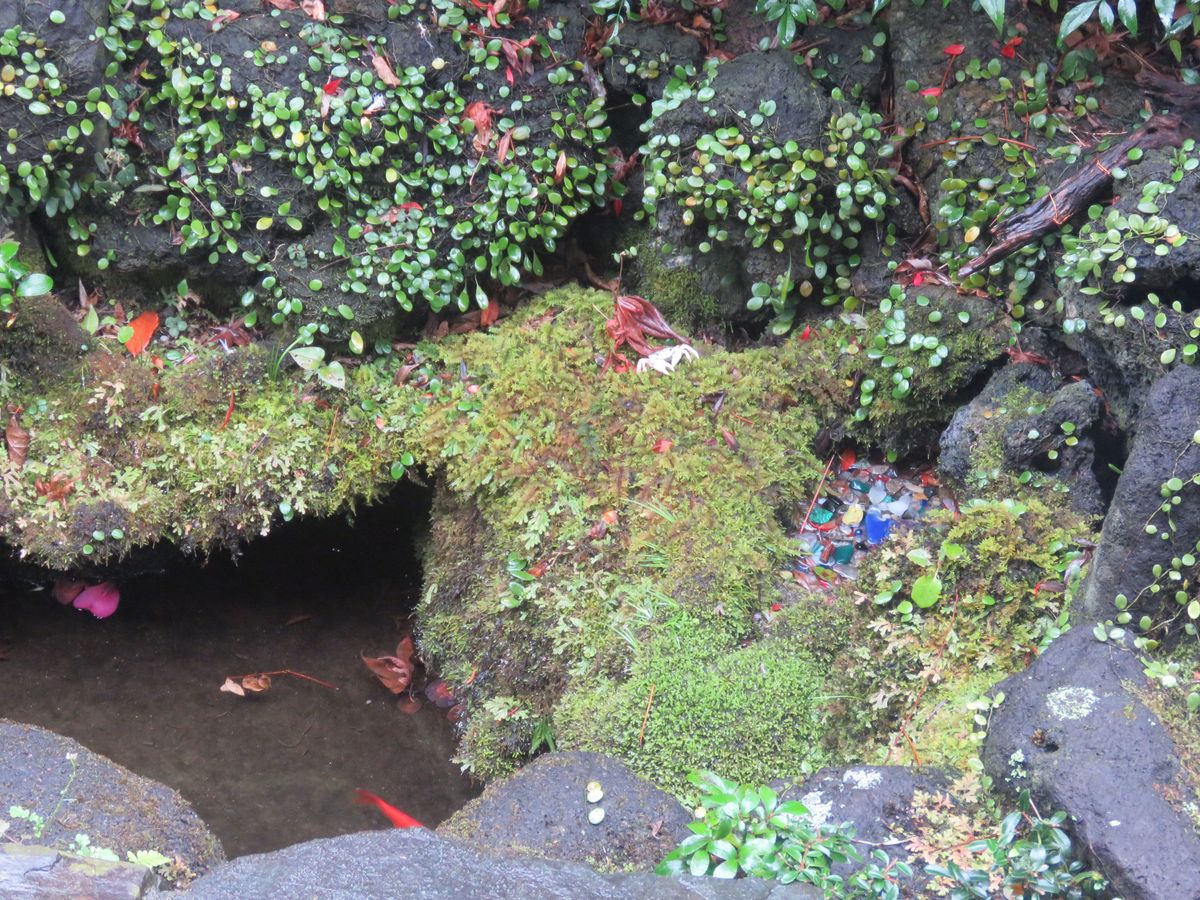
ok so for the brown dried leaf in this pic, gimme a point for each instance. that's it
(314, 9)
(16, 439)
(394, 672)
(283, 4)
(384, 70)
(233, 687)
(256, 683)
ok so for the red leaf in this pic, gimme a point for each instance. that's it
(807, 333)
(662, 445)
(1009, 50)
(849, 457)
(489, 315)
(143, 329)
(931, 92)
(918, 279)
(954, 50)
(411, 207)
(332, 86)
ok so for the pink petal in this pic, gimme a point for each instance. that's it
(100, 600)
(931, 92)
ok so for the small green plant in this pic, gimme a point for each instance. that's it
(16, 280)
(1030, 857)
(36, 821)
(747, 831)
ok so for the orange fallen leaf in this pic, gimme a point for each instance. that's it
(662, 445)
(143, 329)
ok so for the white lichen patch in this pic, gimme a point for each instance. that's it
(1071, 703)
(818, 808)
(861, 779)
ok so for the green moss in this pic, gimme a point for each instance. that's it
(676, 291)
(1002, 600)
(554, 461)
(751, 713)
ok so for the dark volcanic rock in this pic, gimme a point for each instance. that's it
(1164, 448)
(80, 61)
(542, 810)
(1071, 732)
(724, 275)
(42, 873)
(1016, 421)
(878, 801)
(417, 863)
(111, 805)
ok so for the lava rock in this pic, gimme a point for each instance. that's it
(80, 792)
(417, 863)
(1163, 449)
(33, 872)
(878, 801)
(1072, 732)
(725, 273)
(1021, 412)
(80, 59)
(543, 810)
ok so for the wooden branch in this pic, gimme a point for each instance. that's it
(1074, 193)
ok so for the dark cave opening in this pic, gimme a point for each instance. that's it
(142, 687)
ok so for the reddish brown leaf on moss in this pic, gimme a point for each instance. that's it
(143, 329)
(16, 439)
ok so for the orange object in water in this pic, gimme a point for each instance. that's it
(397, 817)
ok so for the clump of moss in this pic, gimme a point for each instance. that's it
(752, 713)
(1004, 568)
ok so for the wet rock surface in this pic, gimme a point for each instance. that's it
(1016, 421)
(543, 810)
(42, 872)
(79, 792)
(1072, 732)
(416, 863)
(879, 802)
(1163, 449)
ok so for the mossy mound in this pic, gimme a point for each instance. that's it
(594, 532)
